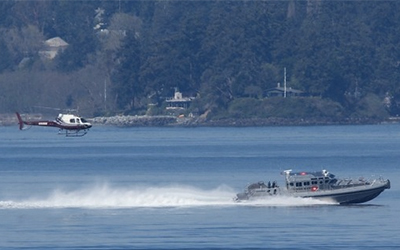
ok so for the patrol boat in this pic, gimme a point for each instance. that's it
(320, 185)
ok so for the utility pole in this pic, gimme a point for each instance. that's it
(284, 82)
(105, 95)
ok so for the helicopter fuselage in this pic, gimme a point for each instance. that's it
(68, 122)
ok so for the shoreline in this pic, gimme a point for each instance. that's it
(173, 121)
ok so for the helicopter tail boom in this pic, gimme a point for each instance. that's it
(20, 121)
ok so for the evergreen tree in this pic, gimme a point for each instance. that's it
(6, 59)
(74, 23)
(126, 86)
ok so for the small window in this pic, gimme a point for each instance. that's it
(72, 120)
(307, 183)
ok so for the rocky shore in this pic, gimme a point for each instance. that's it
(276, 121)
(135, 121)
(130, 121)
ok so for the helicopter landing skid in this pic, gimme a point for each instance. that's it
(73, 133)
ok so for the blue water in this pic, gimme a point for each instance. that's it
(172, 188)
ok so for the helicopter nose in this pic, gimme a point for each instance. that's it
(88, 125)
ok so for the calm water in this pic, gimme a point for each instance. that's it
(172, 188)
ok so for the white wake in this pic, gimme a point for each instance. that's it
(105, 196)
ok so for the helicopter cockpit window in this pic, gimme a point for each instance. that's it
(77, 120)
(83, 120)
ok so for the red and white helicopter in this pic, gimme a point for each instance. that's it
(68, 124)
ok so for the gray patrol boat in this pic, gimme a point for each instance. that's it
(320, 185)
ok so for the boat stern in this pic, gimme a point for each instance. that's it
(241, 197)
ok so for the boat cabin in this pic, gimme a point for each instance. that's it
(309, 181)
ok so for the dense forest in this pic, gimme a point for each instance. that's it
(127, 57)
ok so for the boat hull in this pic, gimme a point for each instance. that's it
(344, 195)
(350, 196)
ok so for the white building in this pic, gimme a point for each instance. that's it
(52, 47)
(178, 101)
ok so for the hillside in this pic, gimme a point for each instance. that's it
(128, 57)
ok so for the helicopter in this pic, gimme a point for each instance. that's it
(68, 124)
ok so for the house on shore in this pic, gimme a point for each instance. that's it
(178, 101)
(283, 92)
(52, 47)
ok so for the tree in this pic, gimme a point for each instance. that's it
(73, 23)
(24, 42)
(172, 47)
(6, 61)
(126, 86)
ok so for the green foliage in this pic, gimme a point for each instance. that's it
(370, 106)
(302, 107)
(298, 107)
(245, 108)
(343, 54)
(127, 87)
(6, 60)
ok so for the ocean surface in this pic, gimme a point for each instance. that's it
(173, 188)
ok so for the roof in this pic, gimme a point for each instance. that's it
(288, 90)
(56, 42)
